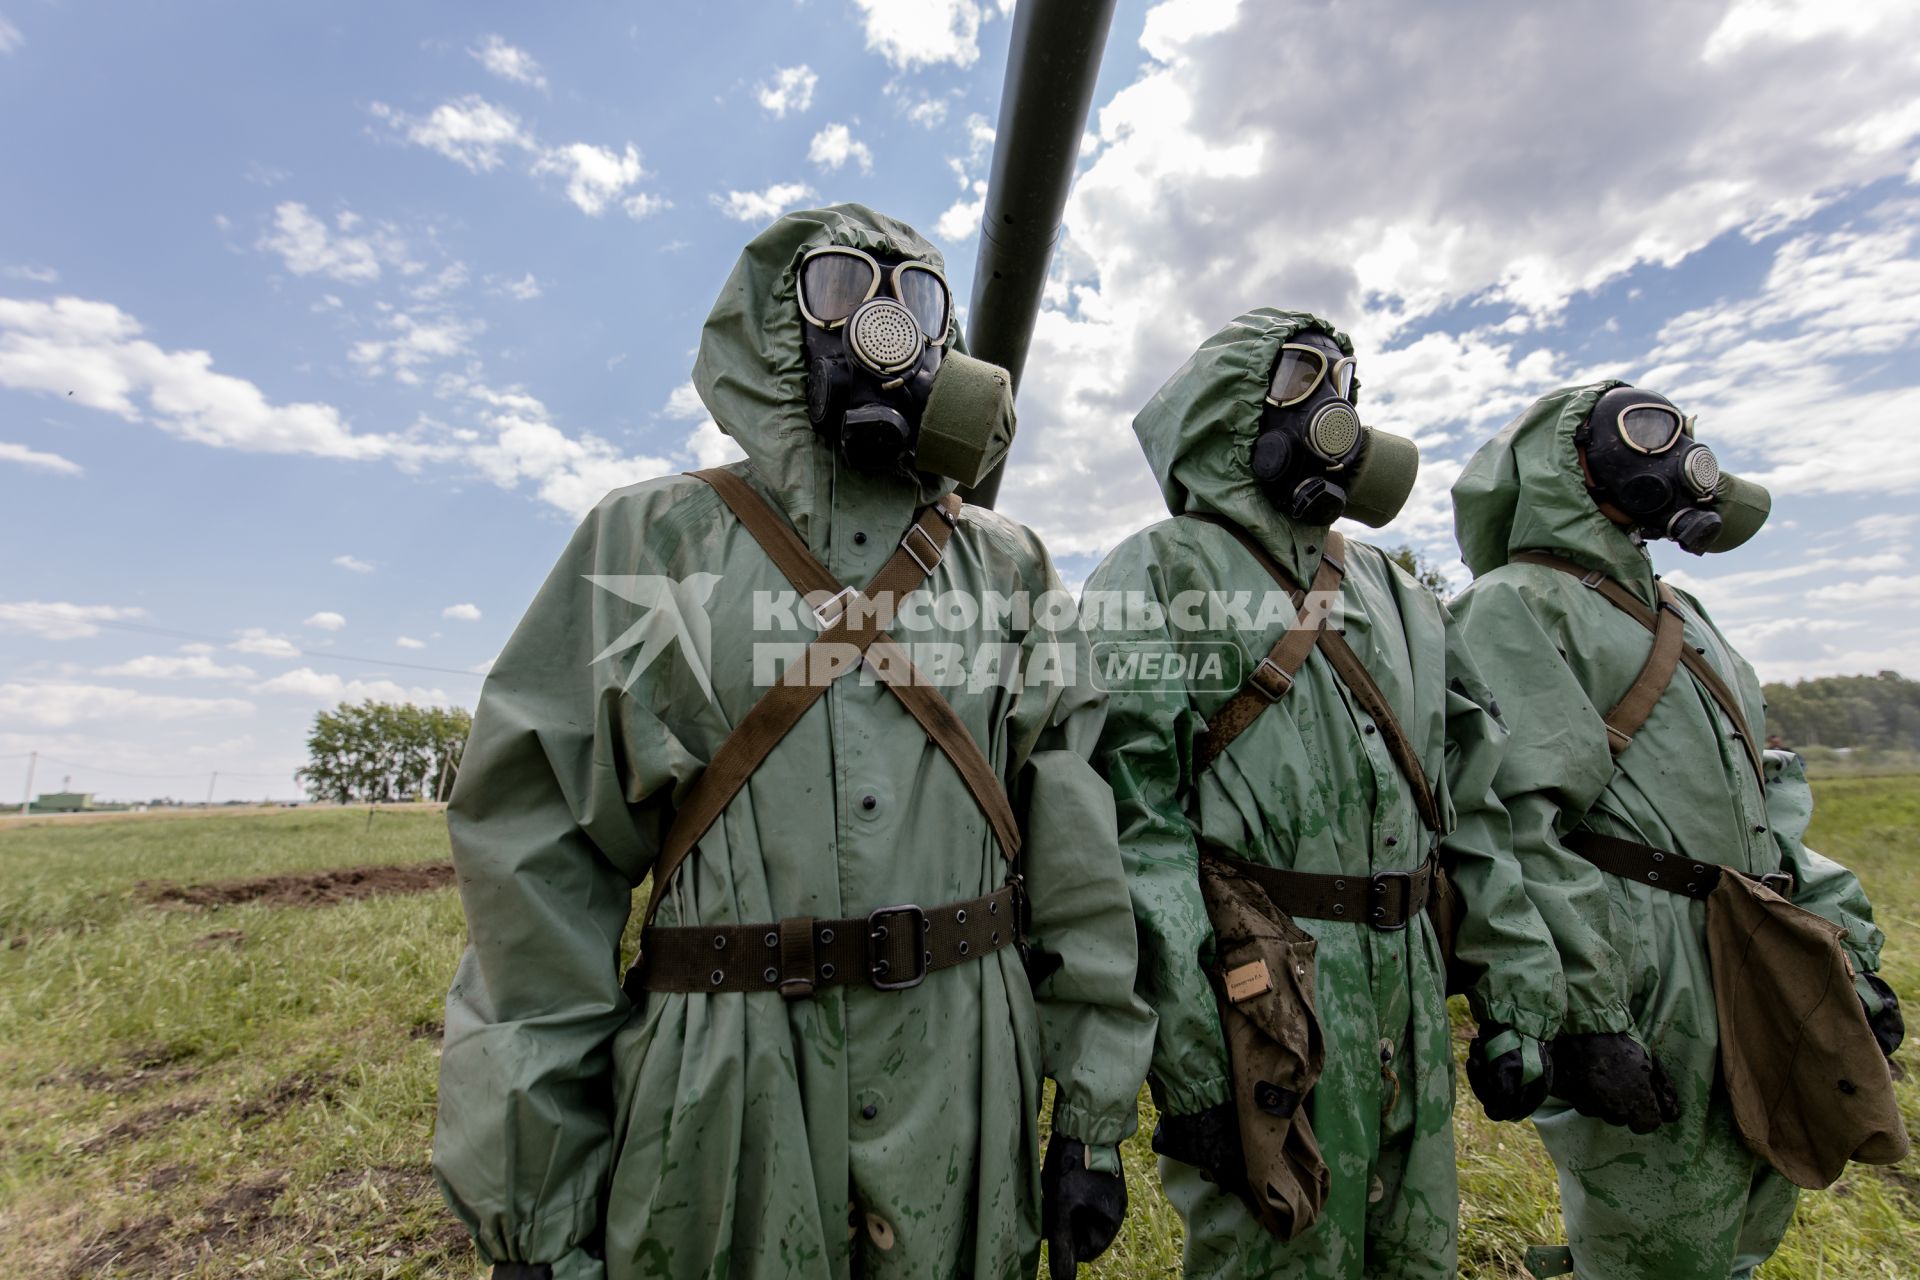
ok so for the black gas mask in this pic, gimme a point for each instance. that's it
(1310, 437)
(1643, 461)
(875, 331)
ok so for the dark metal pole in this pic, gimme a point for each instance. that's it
(1052, 63)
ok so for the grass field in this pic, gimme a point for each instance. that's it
(191, 1086)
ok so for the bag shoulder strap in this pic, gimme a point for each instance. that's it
(858, 628)
(1269, 681)
(1346, 664)
(1670, 650)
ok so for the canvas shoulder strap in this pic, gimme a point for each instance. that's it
(857, 629)
(1275, 674)
(1669, 652)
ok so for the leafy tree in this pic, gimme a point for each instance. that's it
(372, 752)
(1423, 571)
(1879, 711)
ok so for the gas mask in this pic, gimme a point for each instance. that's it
(1312, 456)
(881, 384)
(1643, 462)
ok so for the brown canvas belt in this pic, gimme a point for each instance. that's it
(1631, 860)
(1387, 901)
(891, 949)
(1670, 650)
(852, 621)
(1275, 674)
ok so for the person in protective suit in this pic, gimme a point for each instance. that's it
(828, 1058)
(1279, 847)
(1552, 515)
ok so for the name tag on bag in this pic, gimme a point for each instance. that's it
(1248, 981)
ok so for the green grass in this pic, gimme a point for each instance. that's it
(249, 1089)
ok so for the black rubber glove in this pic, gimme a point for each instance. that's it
(1080, 1208)
(1209, 1141)
(1883, 1011)
(1611, 1076)
(1510, 1072)
(523, 1271)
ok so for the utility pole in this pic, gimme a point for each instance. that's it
(211, 783)
(26, 803)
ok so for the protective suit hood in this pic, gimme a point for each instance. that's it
(751, 370)
(1198, 431)
(1522, 491)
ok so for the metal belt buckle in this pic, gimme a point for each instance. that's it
(1281, 681)
(933, 548)
(878, 932)
(1379, 911)
(843, 598)
(1781, 882)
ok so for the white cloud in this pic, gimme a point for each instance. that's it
(34, 274)
(684, 402)
(790, 89)
(834, 145)
(928, 113)
(188, 666)
(307, 247)
(712, 447)
(468, 130)
(352, 564)
(1234, 171)
(26, 457)
(525, 289)
(58, 705)
(423, 338)
(962, 218)
(595, 175)
(91, 353)
(326, 688)
(910, 33)
(408, 642)
(1883, 589)
(10, 37)
(258, 640)
(59, 620)
(325, 620)
(462, 612)
(763, 206)
(509, 63)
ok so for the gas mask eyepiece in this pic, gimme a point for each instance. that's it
(1643, 461)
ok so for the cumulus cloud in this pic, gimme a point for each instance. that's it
(307, 246)
(60, 620)
(525, 289)
(462, 612)
(184, 666)
(408, 642)
(763, 206)
(324, 688)
(353, 564)
(911, 33)
(325, 620)
(1236, 170)
(57, 705)
(789, 89)
(31, 273)
(260, 641)
(479, 134)
(509, 63)
(26, 457)
(419, 338)
(835, 145)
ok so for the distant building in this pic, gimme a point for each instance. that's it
(64, 802)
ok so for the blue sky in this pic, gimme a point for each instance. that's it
(362, 306)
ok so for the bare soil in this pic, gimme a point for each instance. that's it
(313, 889)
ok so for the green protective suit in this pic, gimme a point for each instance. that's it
(1309, 787)
(1688, 1202)
(887, 1134)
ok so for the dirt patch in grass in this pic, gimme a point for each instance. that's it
(289, 1093)
(239, 1212)
(136, 1127)
(427, 1029)
(136, 1243)
(313, 889)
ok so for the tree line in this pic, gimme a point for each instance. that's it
(381, 752)
(1879, 711)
